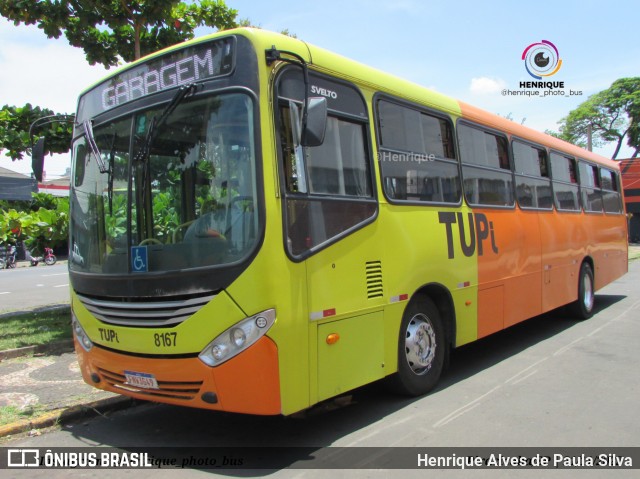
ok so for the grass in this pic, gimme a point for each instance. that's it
(11, 414)
(35, 328)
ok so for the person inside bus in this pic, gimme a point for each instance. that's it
(210, 224)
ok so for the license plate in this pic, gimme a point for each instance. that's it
(141, 380)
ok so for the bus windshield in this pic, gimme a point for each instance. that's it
(183, 196)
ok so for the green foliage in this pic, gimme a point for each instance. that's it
(612, 114)
(112, 29)
(14, 131)
(44, 222)
(31, 329)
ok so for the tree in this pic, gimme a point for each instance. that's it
(612, 115)
(14, 131)
(42, 222)
(106, 30)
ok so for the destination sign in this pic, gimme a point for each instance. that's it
(180, 67)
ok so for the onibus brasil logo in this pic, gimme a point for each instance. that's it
(541, 59)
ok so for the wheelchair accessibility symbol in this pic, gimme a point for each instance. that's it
(139, 259)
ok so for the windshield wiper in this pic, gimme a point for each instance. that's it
(142, 156)
(93, 146)
(158, 121)
(112, 157)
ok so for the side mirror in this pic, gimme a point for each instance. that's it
(37, 159)
(313, 134)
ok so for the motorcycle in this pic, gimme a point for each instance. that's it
(9, 261)
(49, 258)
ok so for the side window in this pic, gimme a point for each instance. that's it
(485, 167)
(417, 156)
(590, 191)
(610, 195)
(566, 191)
(328, 189)
(533, 185)
(340, 165)
(80, 159)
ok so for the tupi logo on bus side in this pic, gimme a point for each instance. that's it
(480, 229)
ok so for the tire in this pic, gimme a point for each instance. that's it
(50, 260)
(422, 349)
(582, 308)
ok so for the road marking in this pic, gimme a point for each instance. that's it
(464, 409)
(5, 292)
(513, 380)
(513, 383)
(53, 274)
(61, 285)
(456, 414)
(568, 346)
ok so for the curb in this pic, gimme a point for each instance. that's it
(57, 347)
(70, 414)
(39, 309)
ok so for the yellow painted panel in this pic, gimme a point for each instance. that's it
(356, 358)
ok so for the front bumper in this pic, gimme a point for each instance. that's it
(249, 383)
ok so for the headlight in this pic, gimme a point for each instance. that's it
(237, 338)
(83, 339)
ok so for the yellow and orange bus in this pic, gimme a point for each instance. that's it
(258, 225)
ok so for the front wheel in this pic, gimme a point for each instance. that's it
(582, 308)
(50, 260)
(421, 349)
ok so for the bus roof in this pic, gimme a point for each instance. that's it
(328, 62)
(324, 60)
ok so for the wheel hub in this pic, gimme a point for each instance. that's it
(420, 344)
(588, 297)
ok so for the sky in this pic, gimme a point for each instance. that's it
(469, 50)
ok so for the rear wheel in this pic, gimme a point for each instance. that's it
(421, 349)
(582, 308)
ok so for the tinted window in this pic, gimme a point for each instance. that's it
(417, 156)
(565, 182)
(590, 187)
(328, 188)
(610, 195)
(485, 167)
(533, 186)
(482, 148)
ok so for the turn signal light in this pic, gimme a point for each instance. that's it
(333, 338)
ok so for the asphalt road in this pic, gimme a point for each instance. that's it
(32, 287)
(549, 382)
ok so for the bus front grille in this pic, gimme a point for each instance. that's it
(157, 314)
(181, 390)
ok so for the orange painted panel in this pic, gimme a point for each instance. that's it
(515, 266)
(490, 311)
(248, 383)
(564, 241)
